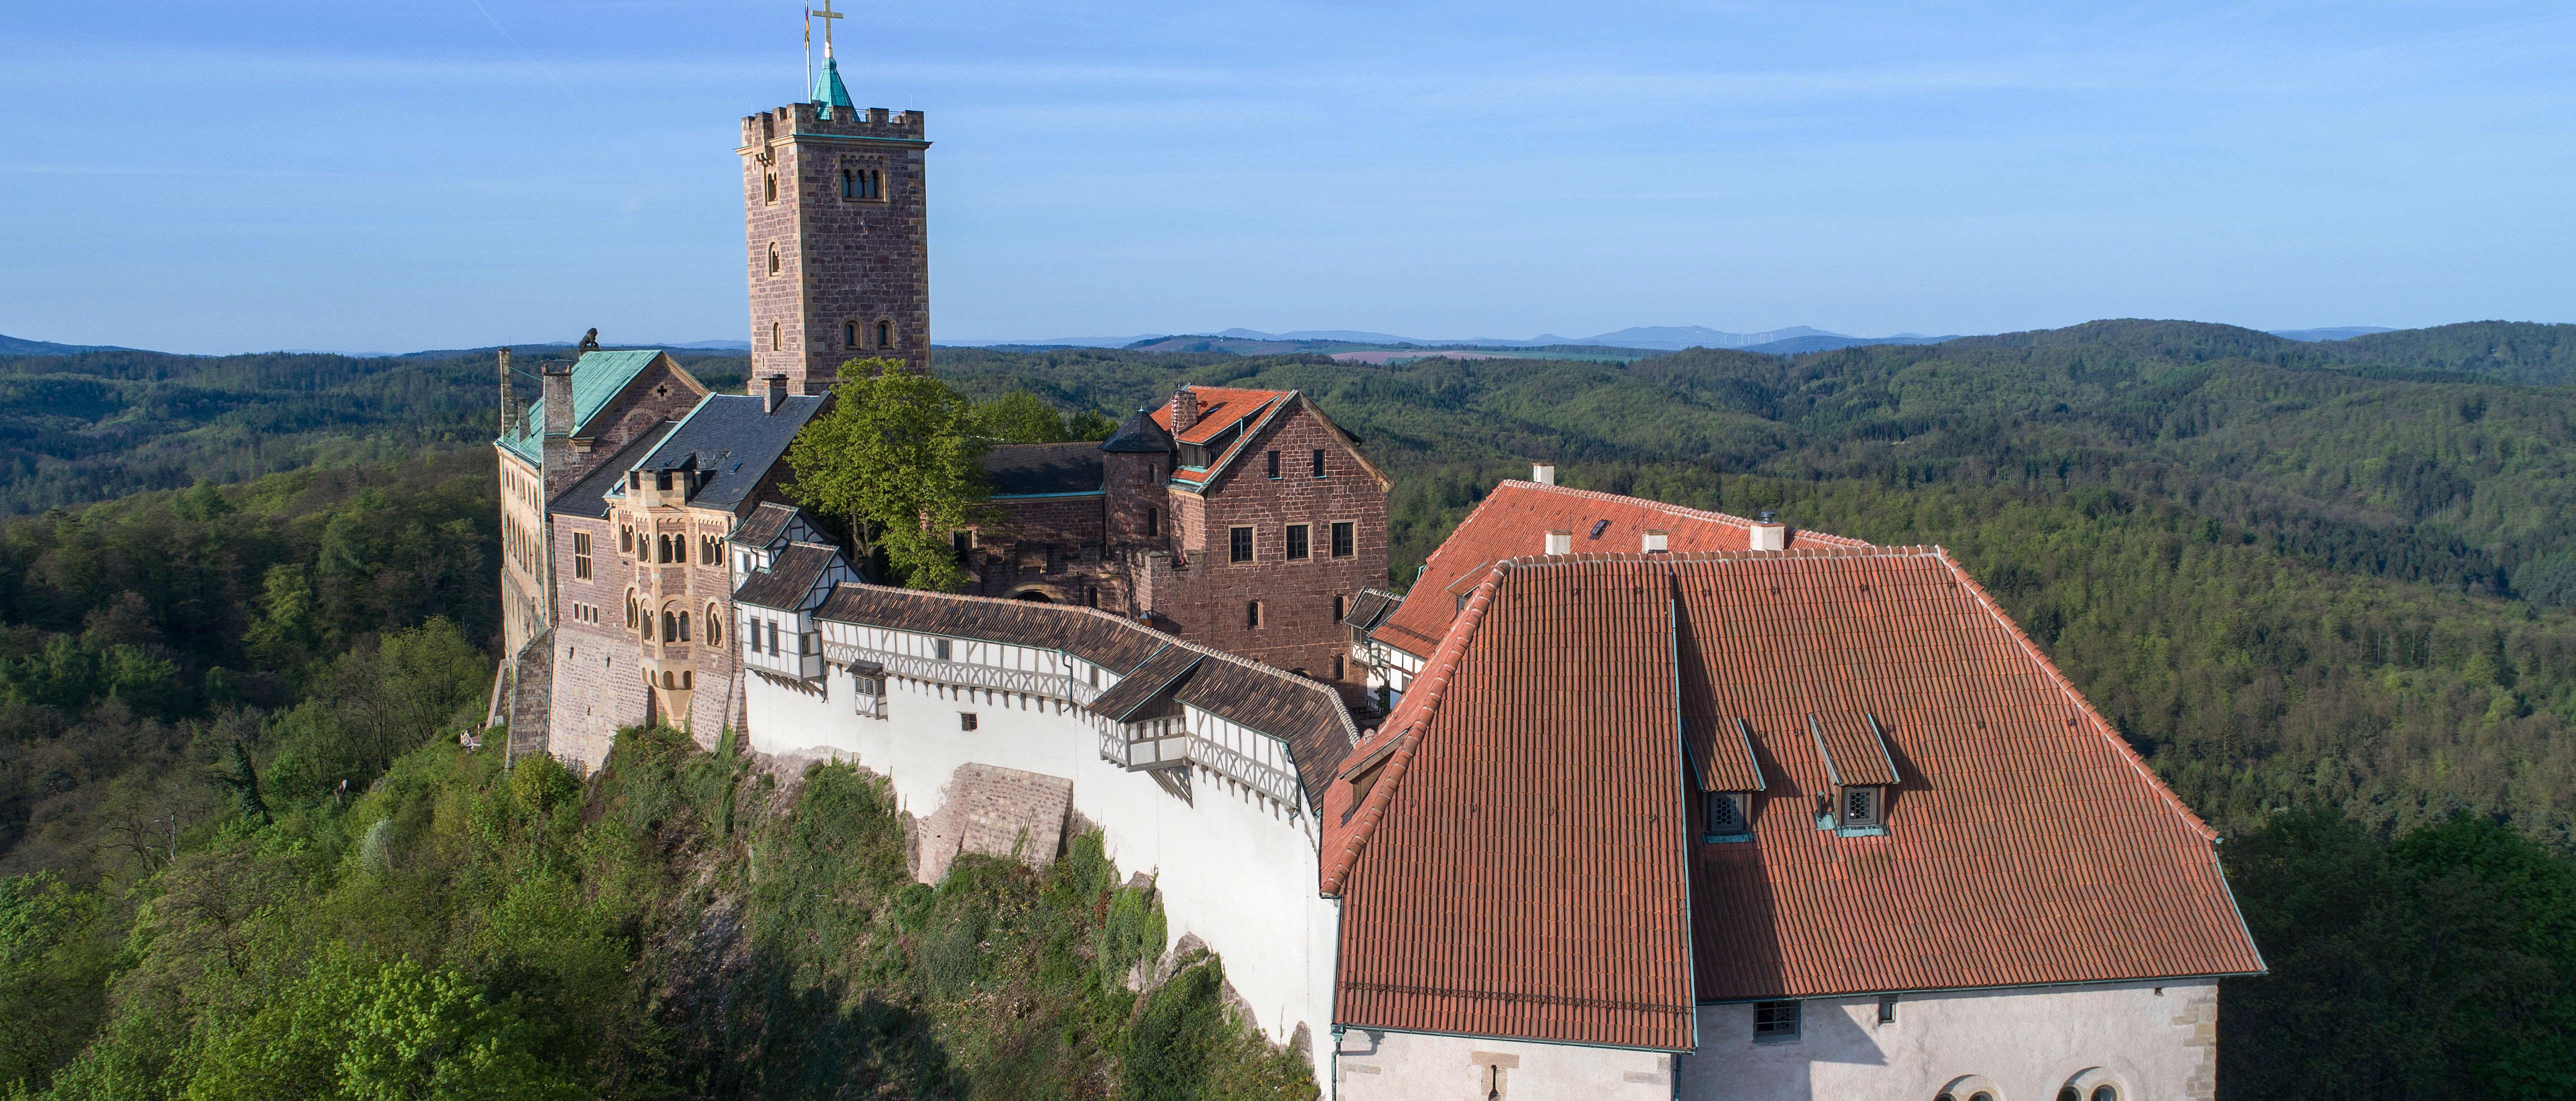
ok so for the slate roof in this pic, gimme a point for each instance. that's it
(1513, 522)
(1029, 469)
(1500, 877)
(789, 581)
(596, 379)
(589, 496)
(1140, 433)
(1306, 715)
(729, 436)
(1145, 683)
(767, 522)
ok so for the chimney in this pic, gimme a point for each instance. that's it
(774, 394)
(1655, 542)
(1769, 534)
(558, 399)
(1560, 542)
(1543, 473)
(1185, 410)
(505, 391)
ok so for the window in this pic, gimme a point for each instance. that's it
(662, 480)
(871, 184)
(1153, 521)
(1252, 613)
(850, 335)
(1342, 540)
(885, 334)
(849, 184)
(773, 638)
(769, 189)
(1775, 1022)
(1319, 462)
(1341, 606)
(1887, 1009)
(1726, 815)
(625, 538)
(773, 270)
(1297, 542)
(710, 550)
(684, 626)
(1337, 667)
(773, 326)
(630, 611)
(1860, 807)
(715, 626)
(670, 626)
(581, 554)
(939, 648)
(965, 720)
(1240, 545)
(1274, 466)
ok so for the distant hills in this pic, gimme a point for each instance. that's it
(2343, 332)
(13, 346)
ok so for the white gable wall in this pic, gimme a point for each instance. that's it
(2155, 1043)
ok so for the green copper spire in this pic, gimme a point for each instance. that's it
(828, 89)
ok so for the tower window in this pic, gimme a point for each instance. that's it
(773, 331)
(849, 184)
(773, 258)
(1342, 540)
(885, 334)
(871, 185)
(1319, 462)
(1239, 545)
(1274, 466)
(769, 187)
(850, 334)
(1297, 543)
(1252, 613)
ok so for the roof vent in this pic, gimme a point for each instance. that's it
(1560, 542)
(1655, 542)
(1543, 473)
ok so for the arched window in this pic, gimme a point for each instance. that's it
(769, 187)
(871, 185)
(630, 611)
(850, 334)
(773, 336)
(773, 258)
(684, 626)
(670, 626)
(715, 626)
(885, 334)
(849, 184)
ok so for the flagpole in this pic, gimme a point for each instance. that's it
(809, 53)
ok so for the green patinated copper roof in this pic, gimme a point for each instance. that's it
(828, 89)
(596, 380)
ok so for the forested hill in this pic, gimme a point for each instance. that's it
(100, 424)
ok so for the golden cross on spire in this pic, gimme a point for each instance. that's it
(826, 14)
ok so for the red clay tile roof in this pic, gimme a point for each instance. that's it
(1525, 873)
(1509, 867)
(1851, 749)
(1721, 755)
(1220, 408)
(1513, 522)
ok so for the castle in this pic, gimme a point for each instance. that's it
(1617, 800)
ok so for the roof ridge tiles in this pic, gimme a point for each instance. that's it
(1658, 506)
(1420, 701)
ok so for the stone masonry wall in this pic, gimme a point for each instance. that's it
(842, 265)
(597, 685)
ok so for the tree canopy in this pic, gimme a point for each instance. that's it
(899, 457)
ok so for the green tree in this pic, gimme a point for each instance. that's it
(900, 457)
(1023, 417)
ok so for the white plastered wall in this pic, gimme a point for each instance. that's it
(2155, 1042)
(1236, 869)
(1372, 1064)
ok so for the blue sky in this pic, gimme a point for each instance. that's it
(443, 173)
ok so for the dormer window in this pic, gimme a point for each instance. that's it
(1859, 770)
(1726, 816)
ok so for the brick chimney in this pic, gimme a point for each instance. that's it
(1543, 473)
(773, 394)
(1185, 410)
(558, 398)
(506, 398)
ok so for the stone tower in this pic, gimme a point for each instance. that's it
(836, 236)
